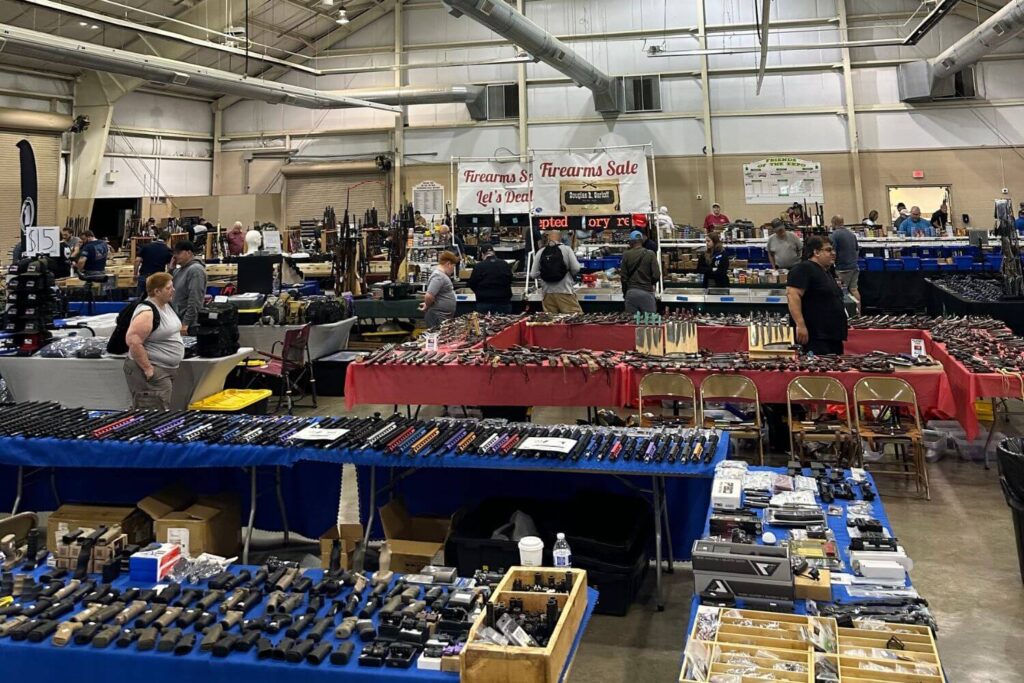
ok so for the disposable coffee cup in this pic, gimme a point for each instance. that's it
(531, 551)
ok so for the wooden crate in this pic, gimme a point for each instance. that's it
(777, 636)
(221, 269)
(486, 663)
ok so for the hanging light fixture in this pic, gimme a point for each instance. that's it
(342, 17)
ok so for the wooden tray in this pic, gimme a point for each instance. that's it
(486, 663)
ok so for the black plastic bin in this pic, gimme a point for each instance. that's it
(1011, 478)
(609, 536)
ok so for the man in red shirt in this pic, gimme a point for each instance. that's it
(715, 218)
(236, 240)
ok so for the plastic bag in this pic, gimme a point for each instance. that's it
(69, 347)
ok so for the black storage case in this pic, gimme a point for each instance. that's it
(609, 536)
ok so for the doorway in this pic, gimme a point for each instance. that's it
(928, 197)
(112, 215)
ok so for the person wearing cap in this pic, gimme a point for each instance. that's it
(555, 267)
(189, 284)
(491, 282)
(784, 247)
(715, 218)
(639, 272)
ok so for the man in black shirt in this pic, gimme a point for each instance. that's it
(152, 258)
(816, 300)
(491, 282)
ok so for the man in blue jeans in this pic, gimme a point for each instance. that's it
(152, 258)
(491, 282)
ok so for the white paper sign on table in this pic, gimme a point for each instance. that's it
(318, 434)
(547, 444)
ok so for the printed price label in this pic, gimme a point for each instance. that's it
(42, 240)
(318, 434)
(180, 537)
(547, 444)
(917, 347)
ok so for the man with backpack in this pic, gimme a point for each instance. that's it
(555, 266)
(639, 272)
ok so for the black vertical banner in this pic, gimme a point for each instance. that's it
(29, 187)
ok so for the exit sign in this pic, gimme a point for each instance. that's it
(919, 174)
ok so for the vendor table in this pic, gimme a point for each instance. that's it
(941, 301)
(100, 384)
(44, 663)
(837, 523)
(323, 339)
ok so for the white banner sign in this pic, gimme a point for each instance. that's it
(780, 180)
(483, 186)
(600, 182)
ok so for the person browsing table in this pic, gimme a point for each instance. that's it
(439, 302)
(155, 348)
(847, 252)
(915, 225)
(639, 272)
(784, 247)
(151, 259)
(816, 300)
(555, 266)
(491, 282)
(189, 285)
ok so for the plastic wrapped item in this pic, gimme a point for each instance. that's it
(758, 481)
(725, 678)
(707, 623)
(67, 347)
(875, 653)
(781, 482)
(200, 568)
(793, 498)
(5, 394)
(918, 668)
(803, 483)
(825, 670)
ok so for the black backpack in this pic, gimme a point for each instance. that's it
(552, 264)
(118, 342)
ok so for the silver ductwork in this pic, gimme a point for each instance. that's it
(504, 20)
(922, 80)
(24, 120)
(28, 43)
(473, 96)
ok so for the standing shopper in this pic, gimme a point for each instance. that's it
(714, 262)
(556, 266)
(439, 301)
(189, 285)
(715, 219)
(816, 300)
(491, 282)
(152, 258)
(847, 252)
(236, 239)
(155, 349)
(639, 272)
(784, 248)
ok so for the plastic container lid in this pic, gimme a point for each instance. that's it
(530, 543)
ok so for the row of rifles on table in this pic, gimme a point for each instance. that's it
(395, 435)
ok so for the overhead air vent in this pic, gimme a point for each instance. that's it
(179, 79)
(487, 7)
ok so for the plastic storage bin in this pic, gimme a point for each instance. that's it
(894, 264)
(929, 264)
(875, 263)
(248, 401)
(963, 262)
(911, 263)
(993, 262)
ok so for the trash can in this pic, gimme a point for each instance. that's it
(1011, 478)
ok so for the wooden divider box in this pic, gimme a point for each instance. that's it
(487, 663)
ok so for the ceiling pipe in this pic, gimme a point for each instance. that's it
(25, 120)
(508, 23)
(922, 80)
(44, 46)
(473, 96)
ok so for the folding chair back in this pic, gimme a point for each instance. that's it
(662, 385)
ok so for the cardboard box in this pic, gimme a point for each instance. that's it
(212, 524)
(167, 500)
(350, 533)
(809, 589)
(134, 522)
(414, 541)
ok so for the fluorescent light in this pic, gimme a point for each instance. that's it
(342, 17)
(94, 27)
(83, 23)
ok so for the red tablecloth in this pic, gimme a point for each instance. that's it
(889, 341)
(471, 385)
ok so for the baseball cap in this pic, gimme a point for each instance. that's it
(636, 235)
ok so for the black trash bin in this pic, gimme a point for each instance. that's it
(1011, 478)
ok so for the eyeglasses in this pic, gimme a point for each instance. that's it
(826, 249)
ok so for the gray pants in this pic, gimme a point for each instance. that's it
(434, 317)
(640, 300)
(153, 393)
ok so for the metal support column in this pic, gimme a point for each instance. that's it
(398, 137)
(524, 109)
(705, 83)
(252, 515)
(851, 117)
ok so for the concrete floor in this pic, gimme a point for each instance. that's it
(965, 564)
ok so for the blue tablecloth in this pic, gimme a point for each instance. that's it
(310, 480)
(44, 663)
(838, 526)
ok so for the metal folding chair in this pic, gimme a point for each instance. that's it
(817, 391)
(665, 385)
(893, 393)
(734, 388)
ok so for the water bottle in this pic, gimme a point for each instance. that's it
(561, 552)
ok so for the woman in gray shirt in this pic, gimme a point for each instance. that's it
(439, 301)
(154, 352)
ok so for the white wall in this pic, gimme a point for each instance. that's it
(802, 109)
(159, 146)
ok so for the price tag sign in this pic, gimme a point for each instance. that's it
(42, 240)
(272, 241)
(318, 434)
(547, 444)
(917, 347)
